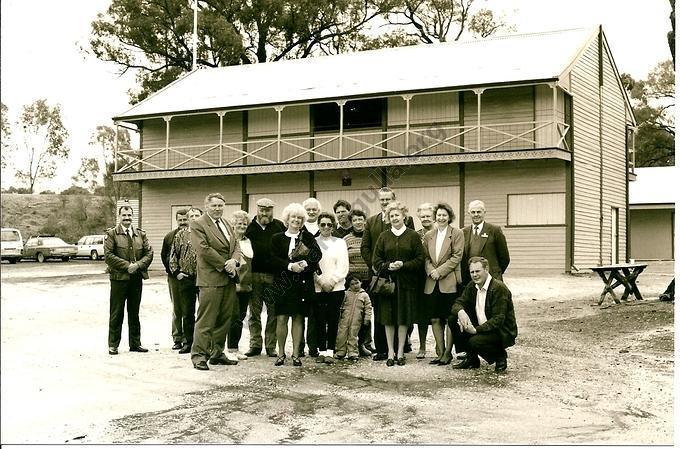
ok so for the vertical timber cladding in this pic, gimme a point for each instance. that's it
(615, 157)
(160, 195)
(531, 247)
(586, 158)
(282, 188)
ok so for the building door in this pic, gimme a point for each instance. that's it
(615, 235)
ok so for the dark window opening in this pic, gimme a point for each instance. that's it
(357, 114)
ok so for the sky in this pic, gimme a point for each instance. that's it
(41, 56)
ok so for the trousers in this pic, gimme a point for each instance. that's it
(125, 292)
(217, 308)
(258, 300)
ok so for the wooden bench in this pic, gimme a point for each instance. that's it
(620, 274)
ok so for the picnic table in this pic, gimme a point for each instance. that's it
(620, 274)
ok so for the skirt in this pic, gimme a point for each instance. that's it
(438, 304)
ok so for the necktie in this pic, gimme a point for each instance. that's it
(217, 223)
(131, 250)
(476, 230)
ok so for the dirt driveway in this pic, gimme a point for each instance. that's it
(579, 374)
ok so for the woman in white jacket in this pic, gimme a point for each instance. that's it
(329, 285)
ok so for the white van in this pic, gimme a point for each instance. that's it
(12, 245)
(91, 246)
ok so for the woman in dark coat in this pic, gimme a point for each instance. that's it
(399, 254)
(295, 255)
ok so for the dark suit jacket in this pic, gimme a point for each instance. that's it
(499, 310)
(212, 251)
(494, 249)
(165, 249)
(117, 254)
(374, 227)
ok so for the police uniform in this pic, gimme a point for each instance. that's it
(120, 251)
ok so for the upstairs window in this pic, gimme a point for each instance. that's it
(357, 114)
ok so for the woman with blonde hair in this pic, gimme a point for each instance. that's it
(295, 256)
(239, 221)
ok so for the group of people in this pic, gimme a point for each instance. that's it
(344, 285)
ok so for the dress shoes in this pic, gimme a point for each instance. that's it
(280, 361)
(320, 359)
(297, 361)
(364, 351)
(445, 361)
(113, 351)
(186, 349)
(139, 349)
(501, 365)
(401, 361)
(223, 360)
(378, 357)
(421, 354)
(252, 352)
(201, 366)
(177, 346)
(461, 355)
(390, 361)
(434, 362)
(271, 353)
(466, 364)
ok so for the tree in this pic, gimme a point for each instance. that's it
(104, 137)
(154, 37)
(43, 142)
(88, 174)
(653, 102)
(444, 20)
(5, 136)
(671, 33)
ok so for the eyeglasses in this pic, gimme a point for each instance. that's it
(325, 225)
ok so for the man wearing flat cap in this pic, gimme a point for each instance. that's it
(260, 232)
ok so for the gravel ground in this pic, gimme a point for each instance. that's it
(579, 374)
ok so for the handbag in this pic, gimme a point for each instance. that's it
(299, 252)
(382, 286)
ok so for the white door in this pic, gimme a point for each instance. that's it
(615, 235)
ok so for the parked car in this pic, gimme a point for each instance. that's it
(12, 245)
(45, 247)
(91, 246)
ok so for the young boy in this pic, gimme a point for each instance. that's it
(356, 312)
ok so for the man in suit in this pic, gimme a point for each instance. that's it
(375, 225)
(483, 319)
(173, 285)
(484, 240)
(128, 255)
(217, 258)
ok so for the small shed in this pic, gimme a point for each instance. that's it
(652, 213)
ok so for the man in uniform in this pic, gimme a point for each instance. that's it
(128, 255)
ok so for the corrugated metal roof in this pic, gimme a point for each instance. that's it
(654, 185)
(494, 60)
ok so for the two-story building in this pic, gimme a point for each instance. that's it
(538, 126)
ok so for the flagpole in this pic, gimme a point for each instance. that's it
(193, 66)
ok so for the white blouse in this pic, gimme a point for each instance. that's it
(334, 263)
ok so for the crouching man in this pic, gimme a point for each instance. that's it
(483, 319)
